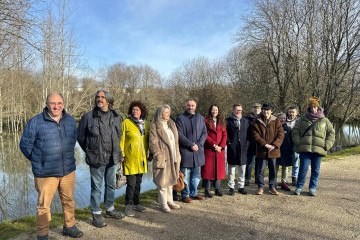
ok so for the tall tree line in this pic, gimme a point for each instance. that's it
(287, 51)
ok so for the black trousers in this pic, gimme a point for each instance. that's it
(133, 183)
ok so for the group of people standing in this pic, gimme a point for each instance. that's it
(191, 144)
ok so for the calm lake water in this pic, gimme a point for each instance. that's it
(18, 195)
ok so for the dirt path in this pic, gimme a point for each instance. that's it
(333, 214)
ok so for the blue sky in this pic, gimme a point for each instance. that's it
(161, 33)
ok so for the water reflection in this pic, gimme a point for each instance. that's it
(17, 192)
(18, 195)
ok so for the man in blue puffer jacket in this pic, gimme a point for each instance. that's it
(48, 141)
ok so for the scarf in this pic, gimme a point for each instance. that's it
(313, 117)
(140, 124)
(236, 120)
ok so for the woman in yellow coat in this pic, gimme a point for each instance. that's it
(134, 145)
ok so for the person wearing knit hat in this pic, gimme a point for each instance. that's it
(313, 135)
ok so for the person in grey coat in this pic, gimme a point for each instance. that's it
(192, 135)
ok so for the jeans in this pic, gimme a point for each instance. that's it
(249, 167)
(261, 165)
(191, 181)
(133, 183)
(295, 166)
(97, 174)
(305, 159)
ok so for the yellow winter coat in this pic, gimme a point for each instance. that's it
(134, 147)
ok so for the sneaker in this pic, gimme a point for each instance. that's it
(208, 194)
(242, 191)
(285, 187)
(218, 192)
(114, 214)
(260, 191)
(98, 221)
(247, 182)
(73, 232)
(139, 208)
(297, 191)
(231, 191)
(312, 192)
(173, 205)
(129, 210)
(165, 208)
(273, 191)
(44, 237)
(294, 181)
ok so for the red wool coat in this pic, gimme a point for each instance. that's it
(214, 136)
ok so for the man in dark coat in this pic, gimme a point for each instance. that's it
(48, 141)
(99, 136)
(256, 109)
(192, 136)
(237, 145)
(268, 134)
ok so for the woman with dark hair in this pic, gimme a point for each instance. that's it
(135, 144)
(214, 169)
(313, 135)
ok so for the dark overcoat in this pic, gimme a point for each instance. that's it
(286, 149)
(237, 141)
(192, 130)
(216, 136)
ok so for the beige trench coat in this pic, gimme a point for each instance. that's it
(165, 170)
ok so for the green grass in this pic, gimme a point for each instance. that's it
(343, 153)
(27, 225)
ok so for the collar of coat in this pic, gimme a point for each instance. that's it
(96, 112)
(272, 118)
(162, 133)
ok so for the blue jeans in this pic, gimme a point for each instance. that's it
(295, 166)
(97, 174)
(249, 166)
(194, 175)
(305, 159)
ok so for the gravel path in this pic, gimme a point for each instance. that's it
(333, 214)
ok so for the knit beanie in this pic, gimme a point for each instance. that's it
(314, 101)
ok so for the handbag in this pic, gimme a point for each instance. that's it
(180, 183)
(120, 177)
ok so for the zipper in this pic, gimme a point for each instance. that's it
(62, 146)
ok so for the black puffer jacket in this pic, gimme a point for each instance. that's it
(89, 137)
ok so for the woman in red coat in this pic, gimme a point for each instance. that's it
(214, 169)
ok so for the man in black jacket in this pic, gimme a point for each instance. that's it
(99, 134)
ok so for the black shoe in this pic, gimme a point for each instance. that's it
(242, 191)
(218, 192)
(98, 221)
(247, 182)
(114, 214)
(208, 194)
(231, 191)
(73, 232)
(176, 198)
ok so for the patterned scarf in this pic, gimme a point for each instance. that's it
(140, 124)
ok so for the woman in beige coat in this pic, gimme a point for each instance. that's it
(166, 162)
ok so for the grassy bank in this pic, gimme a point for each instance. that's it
(9, 229)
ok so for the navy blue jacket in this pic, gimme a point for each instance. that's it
(50, 145)
(237, 141)
(192, 130)
(287, 154)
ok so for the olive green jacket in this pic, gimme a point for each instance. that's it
(318, 139)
